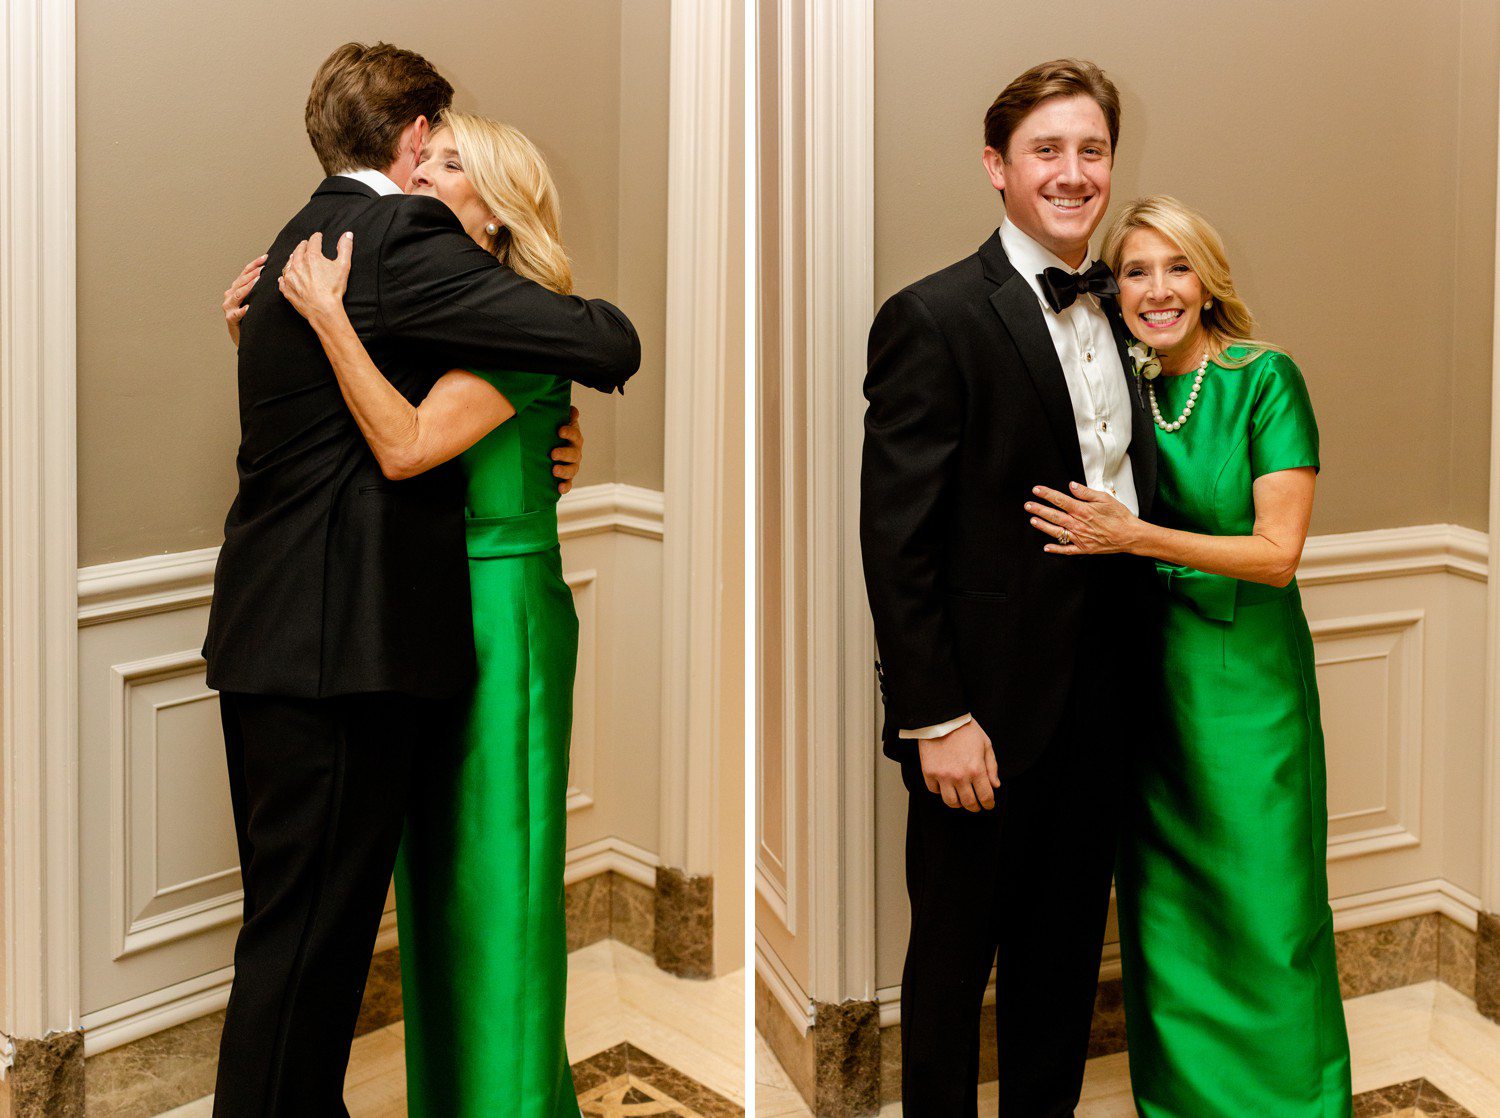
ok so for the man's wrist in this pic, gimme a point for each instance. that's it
(927, 733)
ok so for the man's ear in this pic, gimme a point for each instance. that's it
(419, 134)
(994, 165)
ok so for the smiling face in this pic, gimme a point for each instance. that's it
(440, 174)
(1160, 295)
(1055, 172)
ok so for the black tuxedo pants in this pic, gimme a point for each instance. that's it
(1024, 886)
(319, 794)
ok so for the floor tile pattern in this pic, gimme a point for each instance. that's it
(624, 1080)
(1415, 1098)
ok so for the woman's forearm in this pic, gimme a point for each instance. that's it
(389, 423)
(1253, 558)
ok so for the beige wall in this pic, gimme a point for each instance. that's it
(191, 155)
(1345, 150)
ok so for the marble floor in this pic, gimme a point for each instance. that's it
(622, 1013)
(1428, 1032)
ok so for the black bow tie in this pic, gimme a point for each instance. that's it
(1061, 288)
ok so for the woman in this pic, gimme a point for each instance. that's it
(1231, 988)
(479, 880)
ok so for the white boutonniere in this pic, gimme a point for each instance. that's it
(1147, 364)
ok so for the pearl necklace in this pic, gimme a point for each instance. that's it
(1191, 400)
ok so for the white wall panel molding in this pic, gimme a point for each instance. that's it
(794, 1001)
(181, 580)
(1370, 673)
(1394, 552)
(38, 520)
(153, 910)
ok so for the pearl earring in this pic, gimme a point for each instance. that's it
(1208, 304)
(493, 228)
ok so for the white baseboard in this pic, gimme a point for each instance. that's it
(611, 855)
(1403, 901)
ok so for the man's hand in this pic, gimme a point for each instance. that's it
(568, 456)
(960, 767)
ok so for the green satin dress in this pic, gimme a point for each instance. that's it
(1231, 988)
(479, 880)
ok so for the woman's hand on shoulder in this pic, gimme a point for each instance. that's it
(313, 283)
(234, 296)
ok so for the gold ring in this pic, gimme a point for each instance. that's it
(1065, 538)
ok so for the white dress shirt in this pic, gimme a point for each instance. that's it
(1096, 385)
(375, 180)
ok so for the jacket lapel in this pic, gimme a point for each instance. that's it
(1016, 304)
(1142, 428)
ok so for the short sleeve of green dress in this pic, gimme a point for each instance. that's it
(510, 469)
(1283, 430)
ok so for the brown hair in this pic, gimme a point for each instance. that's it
(362, 98)
(1066, 77)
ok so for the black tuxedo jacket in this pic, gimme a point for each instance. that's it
(333, 580)
(968, 411)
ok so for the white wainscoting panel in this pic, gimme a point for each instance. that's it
(160, 895)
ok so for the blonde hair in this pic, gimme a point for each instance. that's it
(1229, 321)
(510, 176)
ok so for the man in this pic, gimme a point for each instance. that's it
(341, 616)
(1013, 679)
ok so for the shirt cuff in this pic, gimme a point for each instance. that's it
(927, 732)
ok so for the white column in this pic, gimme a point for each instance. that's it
(704, 232)
(38, 522)
(1490, 830)
(840, 294)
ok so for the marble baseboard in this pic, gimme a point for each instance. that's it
(155, 1073)
(610, 905)
(1416, 1098)
(1487, 966)
(793, 1048)
(847, 1059)
(1385, 956)
(840, 1063)
(46, 1078)
(1370, 960)
(683, 941)
(632, 913)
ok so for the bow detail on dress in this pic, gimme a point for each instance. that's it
(1213, 596)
